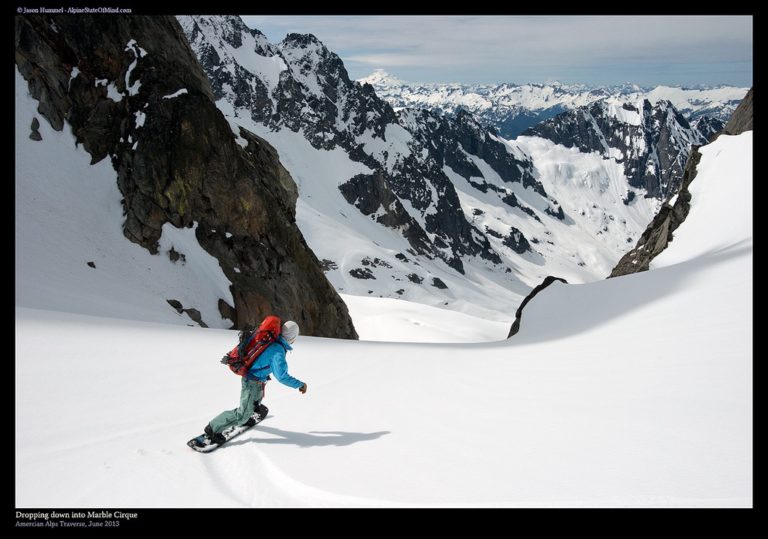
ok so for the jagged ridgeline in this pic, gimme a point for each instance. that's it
(301, 86)
(435, 194)
(513, 108)
(177, 160)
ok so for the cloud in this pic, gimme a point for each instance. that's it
(392, 60)
(485, 45)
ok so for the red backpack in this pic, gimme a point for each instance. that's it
(252, 344)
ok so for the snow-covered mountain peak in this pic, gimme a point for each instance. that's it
(229, 30)
(382, 78)
(623, 111)
(302, 41)
(236, 44)
(321, 71)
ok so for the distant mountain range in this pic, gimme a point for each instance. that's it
(513, 108)
(427, 203)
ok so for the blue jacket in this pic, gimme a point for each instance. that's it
(272, 360)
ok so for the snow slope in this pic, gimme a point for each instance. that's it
(635, 391)
(384, 319)
(583, 420)
(718, 220)
(590, 188)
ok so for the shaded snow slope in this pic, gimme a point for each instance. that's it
(384, 319)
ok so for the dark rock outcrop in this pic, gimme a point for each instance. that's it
(438, 283)
(658, 234)
(516, 241)
(519, 313)
(175, 256)
(34, 134)
(362, 273)
(194, 314)
(741, 120)
(226, 310)
(372, 195)
(176, 158)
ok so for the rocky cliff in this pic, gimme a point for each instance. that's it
(741, 120)
(674, 211)
(133, 91)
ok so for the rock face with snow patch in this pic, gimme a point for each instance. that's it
(651, 141)
(133, 91)
(708, 127)
(660, 231)
(453, 139)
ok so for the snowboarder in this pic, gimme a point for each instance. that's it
(272, 360)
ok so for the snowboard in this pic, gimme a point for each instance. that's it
(202, 444)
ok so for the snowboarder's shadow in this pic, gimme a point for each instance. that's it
(309, 439)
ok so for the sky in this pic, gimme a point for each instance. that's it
(596, 50)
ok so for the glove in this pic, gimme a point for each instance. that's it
(303, 389)
(225, 359)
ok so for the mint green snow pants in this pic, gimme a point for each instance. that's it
(250, 396)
